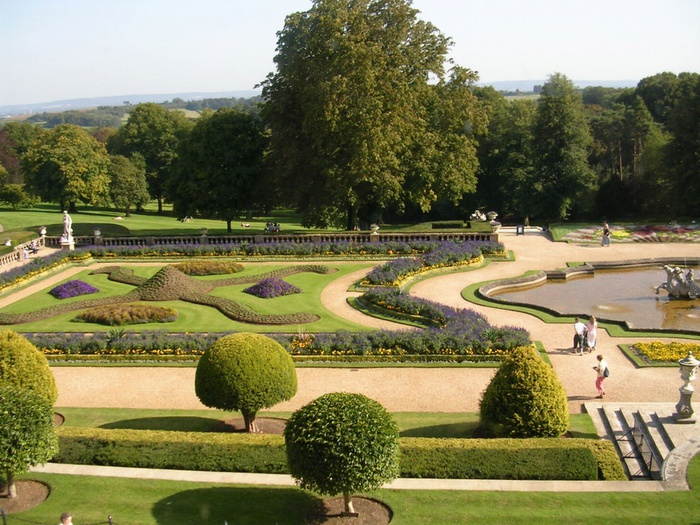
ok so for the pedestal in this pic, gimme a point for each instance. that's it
(68, 245)
(684, 410)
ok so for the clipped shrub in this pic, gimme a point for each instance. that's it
(524, 398)
(26, 432)
(245, 372)
(22, 365)
(272, 287)
(342, 442)
(72, 288)
(126, 314)
(209, 267)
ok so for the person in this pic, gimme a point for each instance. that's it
(606, 235)
(66, 519)
(591, 333)
(33, 247)
(600, 369)
(579, 335)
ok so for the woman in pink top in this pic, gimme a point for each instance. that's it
(592, 329)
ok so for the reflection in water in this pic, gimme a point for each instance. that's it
(621, 295)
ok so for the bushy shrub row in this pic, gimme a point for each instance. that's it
(126, 314)
(72, 288)
(209, 267)
(442, 225)
(393, 300)
(272, 287)
(537, 459)
(443, 255)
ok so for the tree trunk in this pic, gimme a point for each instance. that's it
(250, 426)
(11, 487)
(349, 509)
(127, 212)
(352, 217)
(72, 208)
(160, 205)
(228, 225)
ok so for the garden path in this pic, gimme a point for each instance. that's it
(414, 389)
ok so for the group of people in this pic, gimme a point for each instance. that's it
(585, 336)
(272, 227)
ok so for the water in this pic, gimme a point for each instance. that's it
(620, 295)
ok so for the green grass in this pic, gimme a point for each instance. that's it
(152, 502)
(198, 318)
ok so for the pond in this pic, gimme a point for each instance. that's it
(619, 295)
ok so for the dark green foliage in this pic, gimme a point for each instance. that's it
(420, 457)
(26, 431)
(23, 366)
(170, 284)
(209, 267)
(128, 314)
(525, 398)
(342, 442)
(245, 372)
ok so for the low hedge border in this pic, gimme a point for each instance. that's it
(551, 458)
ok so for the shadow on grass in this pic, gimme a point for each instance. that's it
(239, 505)
(177, 423)
(451, 430)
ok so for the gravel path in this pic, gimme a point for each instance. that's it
(410, 389)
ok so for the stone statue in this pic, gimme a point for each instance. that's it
(477, 216)
(679, 286)
(67, 228)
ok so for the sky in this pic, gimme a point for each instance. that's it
(66, 49)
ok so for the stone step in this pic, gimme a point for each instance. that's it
(621, 433)
(645, 436)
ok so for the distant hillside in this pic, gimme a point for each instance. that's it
(81, 103)
(528, 85)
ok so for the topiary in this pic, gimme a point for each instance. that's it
(342, 442)
(24, 366)
(27, 435)
(245, 372)
(524, 398)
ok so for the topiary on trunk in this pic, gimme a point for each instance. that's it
(524, 399)
(342, 443)
(22, 365)
(245, 372)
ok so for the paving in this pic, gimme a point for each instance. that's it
(427, 389)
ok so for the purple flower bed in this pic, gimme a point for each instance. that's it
(272, 287)
(72, 289)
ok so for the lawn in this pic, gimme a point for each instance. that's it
(199, 318)
(151, 502)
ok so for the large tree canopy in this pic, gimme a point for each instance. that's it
(356, 123)
(154, 132)
(67, 165)
(220, 171)
(563, 180)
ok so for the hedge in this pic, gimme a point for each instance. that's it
(554, 458)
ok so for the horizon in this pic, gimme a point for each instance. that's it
(78, 49)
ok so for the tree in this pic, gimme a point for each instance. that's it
(525, 398)
(128, 182)
(356, 125)
(22, 365)
(342, 443)
(27, 435)
(220, 170)
(658, 93)
(66, 165)
(15, 140)
(154, 132)
(562, 181)
(684, 148)
(246, 372)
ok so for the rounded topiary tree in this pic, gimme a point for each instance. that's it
(524, 398)
(342, 443)
(26, 432)
(245, 372)
(24, 366)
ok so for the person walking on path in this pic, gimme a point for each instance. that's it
(602, 370)
(579, 335)
(605, 241)
(591, 334)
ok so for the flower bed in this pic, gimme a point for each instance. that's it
(272, 287)
(658, 352)
(72, 288)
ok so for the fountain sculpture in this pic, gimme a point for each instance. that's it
(679, 286)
